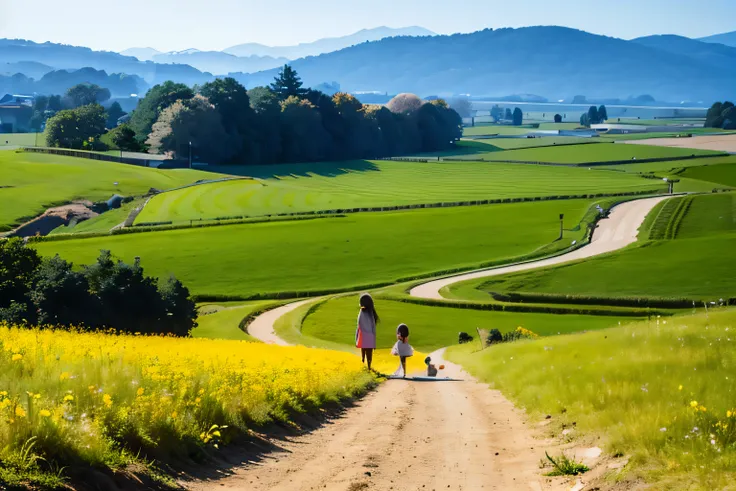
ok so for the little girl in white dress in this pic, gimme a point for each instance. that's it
(402, 349)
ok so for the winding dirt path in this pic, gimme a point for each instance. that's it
(411, 435)
(615, 232)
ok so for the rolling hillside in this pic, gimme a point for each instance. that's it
(554, 61)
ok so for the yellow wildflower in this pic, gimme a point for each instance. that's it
(44, 413)
(174, 415)
(107, 400)
(68, 398)
(64, 376)
(140, 391)
(694, 404)
(728, 414)
(17, 357)
(679, 388)
(3, 393)
(20, 412)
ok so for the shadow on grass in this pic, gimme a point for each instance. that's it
(308, 169)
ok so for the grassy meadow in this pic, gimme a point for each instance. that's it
(223, 321)
(718, 175)
(309, 187)
(31, 182)
(435, 327)
(661, 393)
(74, 400)
(21, 140)
(575, 154)
(340, 252)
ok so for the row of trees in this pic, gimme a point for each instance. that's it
(108, 293)
(222, 122)
(595, 115)
(287, 123)
(721, 115)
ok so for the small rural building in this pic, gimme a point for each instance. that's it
(15, 113)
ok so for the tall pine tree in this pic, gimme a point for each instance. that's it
(287, 84)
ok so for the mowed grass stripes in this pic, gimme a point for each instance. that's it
(298, 188)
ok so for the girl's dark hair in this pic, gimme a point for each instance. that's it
(366, 302)
(403, 330)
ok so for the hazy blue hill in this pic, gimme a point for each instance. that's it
(714, 54)
(550, 61)
(28, 68)
(62, 56)
(57, 81)
(326, 45)
(143, 54)
(220, 63)
(727, 38)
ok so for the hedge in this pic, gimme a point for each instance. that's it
(554, 298)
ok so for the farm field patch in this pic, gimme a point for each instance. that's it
(363, 248)
(659, 392)
(434, 327)
(33, 182)
(302, 188)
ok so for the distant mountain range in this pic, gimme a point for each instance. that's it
(326, 45)
(254, 57)
(556, 62)
(727, 38)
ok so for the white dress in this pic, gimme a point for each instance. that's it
(402, 349)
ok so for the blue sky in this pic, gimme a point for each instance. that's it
(217, 24)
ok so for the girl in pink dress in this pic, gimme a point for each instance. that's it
(365, 334)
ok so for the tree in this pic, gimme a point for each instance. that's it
(713, 116)
(76, 128)
(181, 311)
(462, 106)
(593, 115)
(84, 94)
(152, 105)
(55, 103)
(496, 112)
(40, 103)
(267, 111)
(585, 120)
(232, 102)
(114, 112)
(17, 267)
(579, 99)
(518, 117)
(61, 295)
(123, 138)
(287, 84)
(303, 136)
(602, 114)
(405, 104)
(558, 118)
(194, 122)
(508, 116)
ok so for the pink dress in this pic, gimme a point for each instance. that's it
(365, 333)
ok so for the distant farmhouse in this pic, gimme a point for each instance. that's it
(15, 113)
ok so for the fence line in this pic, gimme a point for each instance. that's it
(140, 162)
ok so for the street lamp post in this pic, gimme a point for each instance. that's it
(190, 154)
(562, 217)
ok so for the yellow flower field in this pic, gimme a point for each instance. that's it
(99, 398)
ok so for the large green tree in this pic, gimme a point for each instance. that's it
(593, 117)
(152, 105)
(287, 84)
(194, 122)
(517, 117)
(232, 102)
(84, 94)
(114, 112)
(76, 128)
(304, 138)
(123, 138)
(267, 109)
(602, 114)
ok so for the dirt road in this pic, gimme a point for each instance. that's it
(615, 232)
(408, 435)
(721, 143)
(411, 435)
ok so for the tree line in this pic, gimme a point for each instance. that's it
(106, 294)
(222, 122)
(721, 115)
(595, 115)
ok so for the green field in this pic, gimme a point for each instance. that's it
(709, 215)
(21, 140)
(302, 187)
(576, 154)
(340, 252)
(630, 390)
(666, 168)
(500, 144)
(223, 321)
(722, 175)
(435, 327)
(30, 183)
(691, 268)
(101, 223)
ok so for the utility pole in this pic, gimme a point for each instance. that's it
(562, 217)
